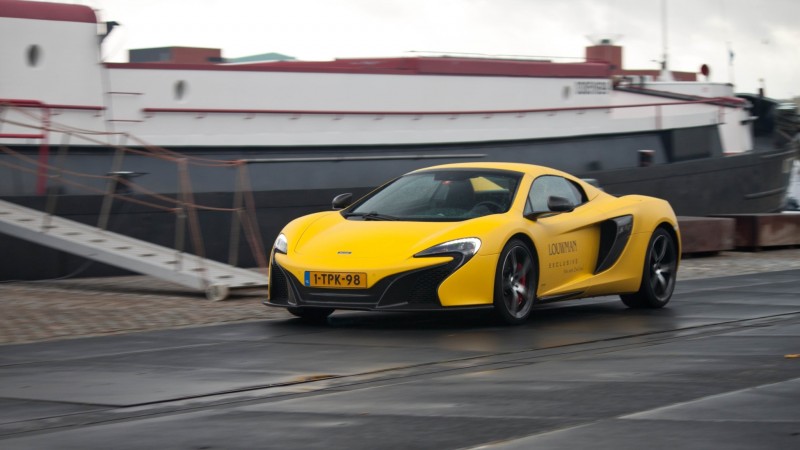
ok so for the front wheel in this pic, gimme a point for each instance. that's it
(658, 275)
(515, 283)
(311, 314)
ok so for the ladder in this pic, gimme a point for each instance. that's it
(214, 278)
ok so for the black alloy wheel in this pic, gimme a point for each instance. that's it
(659, 273)
(516, 280)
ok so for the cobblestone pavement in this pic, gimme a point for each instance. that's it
(58, 309)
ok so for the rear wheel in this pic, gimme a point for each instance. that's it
(311, 314)
(658, 275)
(515, 283)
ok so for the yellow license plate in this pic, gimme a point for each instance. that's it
(352, 280)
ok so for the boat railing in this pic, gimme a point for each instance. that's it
(718, 101)
(52, 177)
(41, 133)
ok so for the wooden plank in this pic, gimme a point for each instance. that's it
(706, 234)
(758, 231)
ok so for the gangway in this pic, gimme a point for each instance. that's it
(214, 278)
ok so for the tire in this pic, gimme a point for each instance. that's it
(317, 315)
(658, 275)
(515, 282)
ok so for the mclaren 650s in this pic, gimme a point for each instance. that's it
(499, 236)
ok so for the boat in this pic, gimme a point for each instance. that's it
(185, 122)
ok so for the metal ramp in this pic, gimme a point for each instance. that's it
(214, 278)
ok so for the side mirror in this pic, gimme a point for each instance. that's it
(342, 201)
(555, 205)
(559, 204)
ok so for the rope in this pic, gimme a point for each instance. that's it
(135, 186)
(186, 204)
(151, 150)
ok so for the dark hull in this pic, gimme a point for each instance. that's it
(742, 184)
(747, 183)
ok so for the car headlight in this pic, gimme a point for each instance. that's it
(466, 247)
(281, 244)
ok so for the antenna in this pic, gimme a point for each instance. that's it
(730, 63)
(665, 74)
(664, 34)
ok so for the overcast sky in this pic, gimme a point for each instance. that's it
(764, 35)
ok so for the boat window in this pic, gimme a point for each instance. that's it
(34, 55)
(180, 90)
(439, 195)
(551, 185)
(694, 143)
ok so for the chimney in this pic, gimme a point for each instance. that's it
(606, 52)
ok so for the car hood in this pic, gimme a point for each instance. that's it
(334, 235)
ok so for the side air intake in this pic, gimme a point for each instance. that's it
(614, 236)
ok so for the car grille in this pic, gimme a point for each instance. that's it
(416, 289)
(278, 287)
(419, 287)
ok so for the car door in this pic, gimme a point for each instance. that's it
(566, 242)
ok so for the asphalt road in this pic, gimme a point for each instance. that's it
(718, 368)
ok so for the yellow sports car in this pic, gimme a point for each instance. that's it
(476, 235)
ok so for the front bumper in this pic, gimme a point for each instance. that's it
(413, 290)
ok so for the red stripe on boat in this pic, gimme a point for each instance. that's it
(47, 11)
(404, 66)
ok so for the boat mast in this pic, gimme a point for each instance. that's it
(665, 74)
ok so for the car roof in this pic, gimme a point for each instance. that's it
(529, 169)
(514, 167)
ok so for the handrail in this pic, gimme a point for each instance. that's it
(714, 100)
(21, 136)
(22, 103)
(26, 103)
(44, 146)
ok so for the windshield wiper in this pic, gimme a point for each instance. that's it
(371, 216)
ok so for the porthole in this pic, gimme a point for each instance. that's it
(180, 90)
(34, 55)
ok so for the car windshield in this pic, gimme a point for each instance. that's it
(440, 195)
